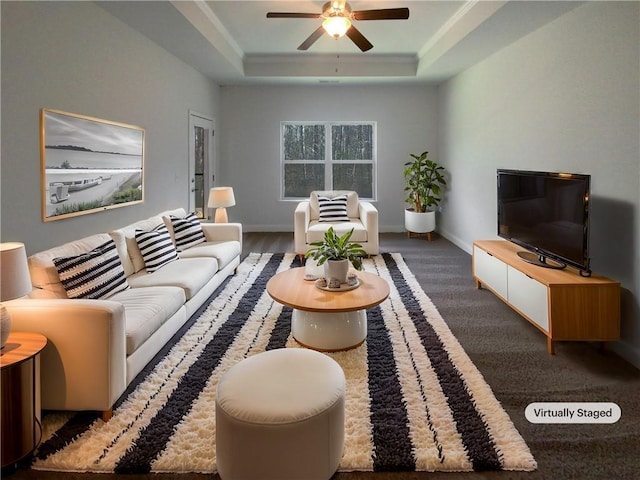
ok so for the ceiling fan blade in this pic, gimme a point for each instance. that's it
(293, 15)
(382, 14)
(312, 38)
(356, 37)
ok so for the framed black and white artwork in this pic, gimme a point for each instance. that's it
(88, 164)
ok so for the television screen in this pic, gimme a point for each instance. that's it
(546, 213)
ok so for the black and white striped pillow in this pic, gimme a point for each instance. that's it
(156, 248)
(95, 274)
(187, 231)
(333, 209)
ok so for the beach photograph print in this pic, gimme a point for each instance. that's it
(88, 165)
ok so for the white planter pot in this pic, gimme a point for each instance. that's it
(336, 269)
(419, 222)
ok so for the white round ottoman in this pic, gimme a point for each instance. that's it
(280, 416)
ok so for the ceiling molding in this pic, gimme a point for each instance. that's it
(198, 13)
(321, 65)
(468, 18)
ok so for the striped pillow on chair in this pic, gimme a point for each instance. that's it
(94, 275)
(333, 209)
(156, 248)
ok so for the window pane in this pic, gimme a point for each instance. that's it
(199, 156)
(354, 176)
(304, 142)
(199, 193)
(199, 146)
(300, 179)
(352, 142)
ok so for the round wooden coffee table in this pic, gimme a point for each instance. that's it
(327, 320)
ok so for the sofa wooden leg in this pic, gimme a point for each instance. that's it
(106, 415)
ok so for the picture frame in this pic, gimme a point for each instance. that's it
(88, 164)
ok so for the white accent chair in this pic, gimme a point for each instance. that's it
(363, 218)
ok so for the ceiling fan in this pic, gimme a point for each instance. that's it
(338, 17)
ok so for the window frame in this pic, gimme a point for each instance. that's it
(328, 161)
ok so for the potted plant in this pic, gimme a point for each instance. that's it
(424, 183)
(335, 252)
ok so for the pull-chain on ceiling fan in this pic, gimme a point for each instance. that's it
(338, 18)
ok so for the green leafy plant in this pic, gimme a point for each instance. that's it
(424, 182)
(78, 207)
(335, 247)
(124, 195)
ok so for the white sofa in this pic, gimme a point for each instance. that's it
(97, 347)
(363, 218)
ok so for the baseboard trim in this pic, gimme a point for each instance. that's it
(626, 350)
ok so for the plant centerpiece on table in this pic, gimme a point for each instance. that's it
(424, 183)
(335, 252)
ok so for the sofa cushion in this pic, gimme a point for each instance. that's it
(316, 230)
(352, 202)
(43, 272)
(190, 274)
(224, 252)
(125, 239)
(156, 248)
(146, 310)
(333, 209)
(95, 274)
(187, 231)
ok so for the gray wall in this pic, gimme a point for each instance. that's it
(78, 58)
(564, 98)
(250, 148)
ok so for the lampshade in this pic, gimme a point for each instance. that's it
(221, 197)
(15, 280)
(336, 26)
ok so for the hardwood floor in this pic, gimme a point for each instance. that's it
(282, 242)
(275, 242)
(511, 355)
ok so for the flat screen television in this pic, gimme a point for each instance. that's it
(548, 215)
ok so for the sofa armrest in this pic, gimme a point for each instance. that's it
(369, 218)
(220, 232)
(83, 366)
(301, 219)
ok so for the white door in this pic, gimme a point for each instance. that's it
(201, 163)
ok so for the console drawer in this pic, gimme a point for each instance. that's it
(490, 271)
(529, 297)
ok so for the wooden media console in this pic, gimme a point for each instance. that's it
(560, 303)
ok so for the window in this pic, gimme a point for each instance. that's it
(328, 156)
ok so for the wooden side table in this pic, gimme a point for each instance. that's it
(20, 419)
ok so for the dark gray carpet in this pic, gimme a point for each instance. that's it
(512, 356)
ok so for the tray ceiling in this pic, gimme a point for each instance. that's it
(233, 42)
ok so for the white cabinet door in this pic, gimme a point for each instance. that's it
(490, 271)
(528, 296)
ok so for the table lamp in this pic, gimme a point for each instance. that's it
(220, 198)
(15, 281)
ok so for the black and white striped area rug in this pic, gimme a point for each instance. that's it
(414, 400)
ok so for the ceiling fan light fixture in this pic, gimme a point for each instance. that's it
(336, 26)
